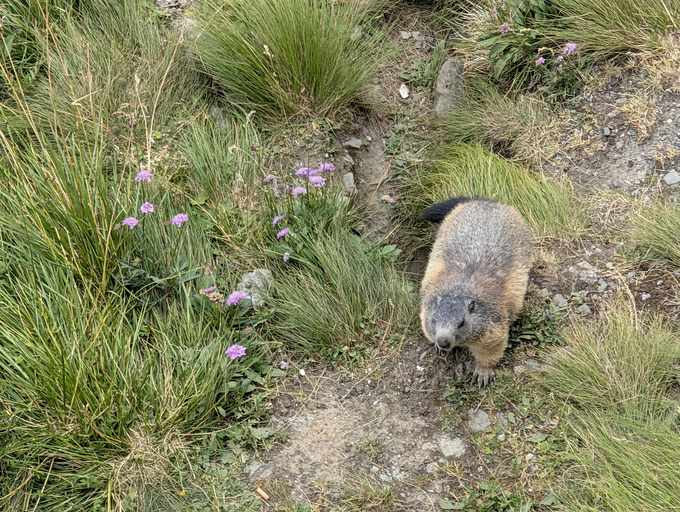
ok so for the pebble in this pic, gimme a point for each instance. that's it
(646, 296)
(452, 447)
(479, 420)
(619, 145)
(501, 437)
(584, 309)
(601, 285)
(672, 178)
(607, 132)
(432, 467)
(560, 300)
(531, 364)
(353, 143)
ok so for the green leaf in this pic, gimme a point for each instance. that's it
(262, 433)
(447, 505)
(550, 499)
(275, 372)
(222, 412)
(498, 48)
(199, 200)
(500, 65)
(537, 438)
(526, 507)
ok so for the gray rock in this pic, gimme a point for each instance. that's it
(672, 178)
(348, 182)
(432, 467)
(373, 95)
(601, 285)
(452, 447)
(503, 419)
(532, 365)
(256, 285)
(479, 420)
(404, 34)
(607, 132)
(588, 276)
(258, 471)
(501, 437)
(544, 292)
(519, 369)
(584, 309)
(448, 88)
(560, 300)
(353, 144)
(619, 145)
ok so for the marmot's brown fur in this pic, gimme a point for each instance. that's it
(476, 278)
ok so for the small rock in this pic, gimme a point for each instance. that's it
(353, 143)
(255, 285)
(503, 419)
(452, 447)
(584, 309)
(519, 369)
(478, 420)
(601, 285)
(348, 182)
(348, 159)
(415, 34)
(428, 446)
(257, 471)
(672, 178)
(531, 365)
(283, 365)
(431, 467)
(448, 88)
(404, 34)
(645, 296)
(544, 292)
(532, 468)
(403, 91)
(619, 145)
(607, 132)
(560, 300)
(501, 437)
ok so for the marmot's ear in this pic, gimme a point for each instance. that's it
(471, 306)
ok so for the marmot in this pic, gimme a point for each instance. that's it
(476, 278)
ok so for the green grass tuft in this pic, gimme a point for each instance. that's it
(285, 59)
(548, 206)
(617, 386)
(657, 229)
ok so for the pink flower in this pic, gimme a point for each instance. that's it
(286, 256)
(317, 181)
(569, 48)
(540, 61)
(235, 298)
(327, 167)
(299, 191)
(277, 219)
(494, 12)
(302, 172)
(147, 208)
(236, 351)
(505, 28)
(209, 289)
(270, 178)
(180, 219)
(130, 221)
(388, 199)
(282, 233)
(560, 58)
(144, 175)
(559, 68)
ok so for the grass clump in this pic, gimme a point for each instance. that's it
(548, 206)
(656, 229)
(617, 386)
(286, 59)
(520, 126)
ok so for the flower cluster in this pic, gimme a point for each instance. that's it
(147, 207)
(235, 298)
(568, 49)
(236, 351)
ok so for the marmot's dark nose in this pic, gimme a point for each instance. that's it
(443, 343)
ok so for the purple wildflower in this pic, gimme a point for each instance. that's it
(327, 167)
(505, 28)
(235, 298)
(317, 181)
(144, 175)
(277, 219)
(180, 219)
(299, 191)
(560, 58)
(303, 172)
(559, 68)
(286, 256)
(236, 351)
(209, 289)
(282, 233)
(569, 48)
(540, 61)
(130, 221)
(147, 208)
(388, 199)
(494, 12)
(313, 172)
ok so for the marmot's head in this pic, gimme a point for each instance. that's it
(451, 320)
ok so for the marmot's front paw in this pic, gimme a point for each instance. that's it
(483, 376)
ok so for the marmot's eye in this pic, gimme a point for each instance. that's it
(471, 307)
(460, 325)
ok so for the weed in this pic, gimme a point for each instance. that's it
(656, 229)
(286, 59)
(424, 73)
(364, 492)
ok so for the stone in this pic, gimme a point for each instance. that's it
(404, 34)
(601, 285)
(519, 369)
(432, 467)
(374, 96)
(560, 300)
(452, 447)
(501, 437)
(584, 309)
(607, 132)
(448, 88)
(672, 178)
(258, 471)
(503, 419)
(619, 145)
(353, 143)
(479, 420)
(256, 285)
(532, 365)
(348, 182)
(428, 447)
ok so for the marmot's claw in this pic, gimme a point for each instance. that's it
(484, 376)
